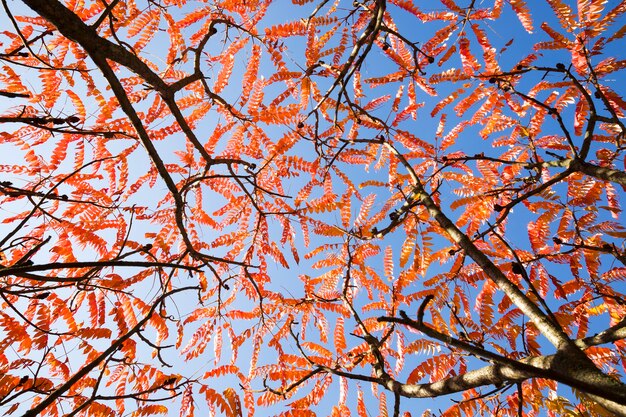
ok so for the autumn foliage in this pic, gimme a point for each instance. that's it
(312, 208)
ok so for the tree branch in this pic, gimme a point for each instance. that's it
(510, 371)
(101, 358)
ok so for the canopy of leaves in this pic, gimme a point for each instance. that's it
(313, 207)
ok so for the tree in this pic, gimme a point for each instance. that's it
(356, 204)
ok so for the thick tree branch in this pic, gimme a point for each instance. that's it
(73, 28)
(507, 370)
(19, 270)
(580, 366)
(602, 173)
(553, 333)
